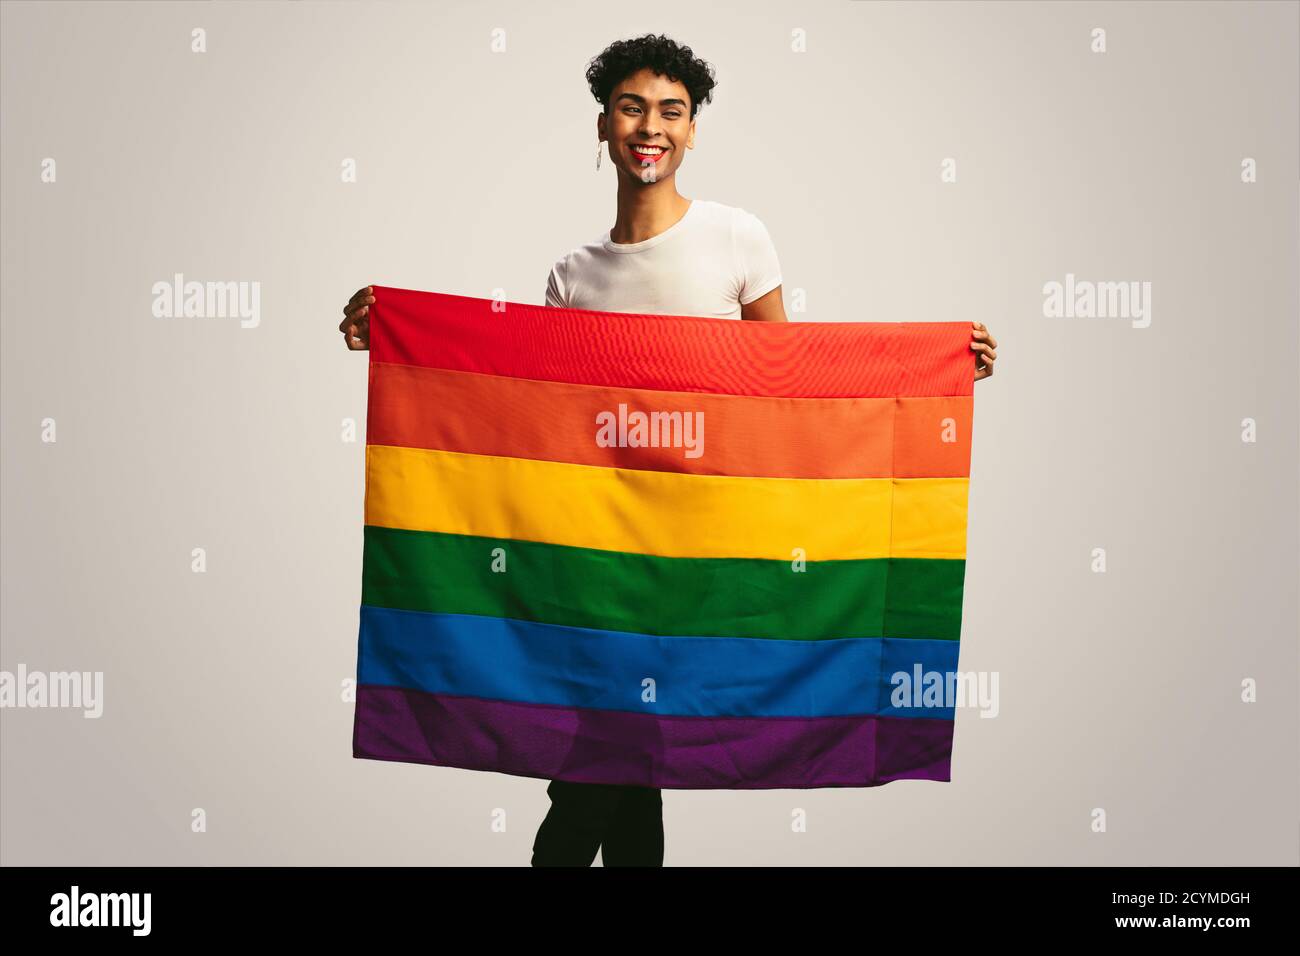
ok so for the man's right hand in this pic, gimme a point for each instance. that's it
(356, 326)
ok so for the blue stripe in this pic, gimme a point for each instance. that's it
(505, 659)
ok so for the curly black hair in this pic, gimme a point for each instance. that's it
(667, 58)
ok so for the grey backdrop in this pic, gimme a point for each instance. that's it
(223, 690)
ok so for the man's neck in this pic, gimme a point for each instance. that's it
(644, 211)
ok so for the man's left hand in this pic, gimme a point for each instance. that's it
(983, 345)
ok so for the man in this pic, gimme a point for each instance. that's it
(665, 255)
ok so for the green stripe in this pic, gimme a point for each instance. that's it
(701, 597)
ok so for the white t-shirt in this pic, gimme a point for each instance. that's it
(710, 262)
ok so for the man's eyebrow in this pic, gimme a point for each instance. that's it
(641, 100)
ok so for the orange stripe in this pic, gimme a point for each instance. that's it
(743, 436)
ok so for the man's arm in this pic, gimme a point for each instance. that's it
(556, 293)
(766, 308)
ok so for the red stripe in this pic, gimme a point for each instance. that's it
(673, 353)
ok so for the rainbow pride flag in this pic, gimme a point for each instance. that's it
(669, 551)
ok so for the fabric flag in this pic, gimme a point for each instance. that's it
(667, 551)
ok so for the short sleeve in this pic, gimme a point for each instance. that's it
(760, 269)
(556, 294)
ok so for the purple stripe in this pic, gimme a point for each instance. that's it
(683, 753)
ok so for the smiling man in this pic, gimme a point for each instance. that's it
(666, 254)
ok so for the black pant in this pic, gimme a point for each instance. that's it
(624, 822)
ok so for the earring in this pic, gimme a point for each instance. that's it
(599, 150)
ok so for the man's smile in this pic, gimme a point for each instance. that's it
(652, 153)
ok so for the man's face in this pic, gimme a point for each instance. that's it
(647, 110)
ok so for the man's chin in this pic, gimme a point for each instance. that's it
(643, 170)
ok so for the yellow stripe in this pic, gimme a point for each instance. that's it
(663, 513)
